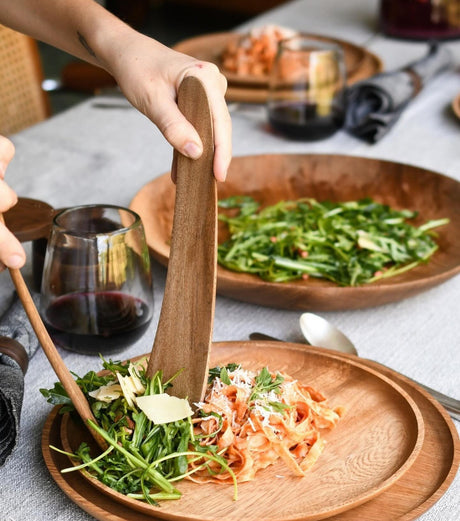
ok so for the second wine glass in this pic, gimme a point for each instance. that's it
(306, 99)
(96, 294)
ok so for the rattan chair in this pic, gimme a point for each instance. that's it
(22, 100)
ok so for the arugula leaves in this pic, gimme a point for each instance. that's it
(144, 460)
(349, 243)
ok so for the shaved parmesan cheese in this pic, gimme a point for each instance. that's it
(135, 380)
(163, 408)
(127, 389)
(106, 393)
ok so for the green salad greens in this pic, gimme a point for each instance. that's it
(144, 459)
(350, 243)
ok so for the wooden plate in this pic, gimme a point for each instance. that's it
(360, 63)
(209, 47)
(412, 495)
(375, 443)
(29, 219)
(271, 178)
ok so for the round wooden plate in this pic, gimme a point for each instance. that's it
(412, 495)
(29, 219)
(360, 63)
(271, 178)
(375, 443)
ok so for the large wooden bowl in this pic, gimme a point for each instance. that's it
(271, 178)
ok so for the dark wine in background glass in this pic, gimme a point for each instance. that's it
(298, 120)
(103, 322)
(96, 294)
(306, 96)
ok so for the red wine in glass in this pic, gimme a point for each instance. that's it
(96, 293)
(301, 120)
(101, 322)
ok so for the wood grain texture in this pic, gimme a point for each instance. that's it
(29, 219)
(271, 178)
(412, 495)
(375, 443)
(184, 332)
(359, 62)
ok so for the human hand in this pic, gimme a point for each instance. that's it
(149, 74)
(12, 254)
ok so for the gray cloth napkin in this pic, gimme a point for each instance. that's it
(375, 105)
(14, 324)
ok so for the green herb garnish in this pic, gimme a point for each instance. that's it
(264, 383)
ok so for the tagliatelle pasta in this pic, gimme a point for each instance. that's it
(256, 419)
(254, 53)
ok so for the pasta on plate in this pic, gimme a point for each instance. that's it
(258, 418)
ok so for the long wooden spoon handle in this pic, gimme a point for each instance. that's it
(184, 332)
(63, 374)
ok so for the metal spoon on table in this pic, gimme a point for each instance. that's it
(319, 332)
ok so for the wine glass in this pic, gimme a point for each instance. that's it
(96, 292)
(306, 98)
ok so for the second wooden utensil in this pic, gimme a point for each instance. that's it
(184, 333)
(61, 370)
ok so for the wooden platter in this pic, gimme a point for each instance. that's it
(271, 178)
(413, 494)
(29, 219)
(360, 63)
(375, 443)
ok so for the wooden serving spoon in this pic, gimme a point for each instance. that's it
(184, 333)
(63, 374)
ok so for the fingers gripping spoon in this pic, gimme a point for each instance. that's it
(183, 338)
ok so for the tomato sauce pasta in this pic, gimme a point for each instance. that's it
(255, 419)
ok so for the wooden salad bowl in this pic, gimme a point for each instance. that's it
(271, 178)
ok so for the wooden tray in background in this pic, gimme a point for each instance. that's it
(360, 63)
(413, 494)
(271, 178)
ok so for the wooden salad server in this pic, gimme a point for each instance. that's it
(61, 370)
(184, 334)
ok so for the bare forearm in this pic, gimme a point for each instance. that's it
(147, 72)
(80, 27)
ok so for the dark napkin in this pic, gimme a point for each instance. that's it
(15, 325)
(375, 104)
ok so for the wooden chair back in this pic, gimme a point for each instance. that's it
(22, 100)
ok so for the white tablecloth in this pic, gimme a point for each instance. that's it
(89, 155)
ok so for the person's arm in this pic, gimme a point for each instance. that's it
(147, 72)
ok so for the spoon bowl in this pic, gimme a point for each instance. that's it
(319, 332)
